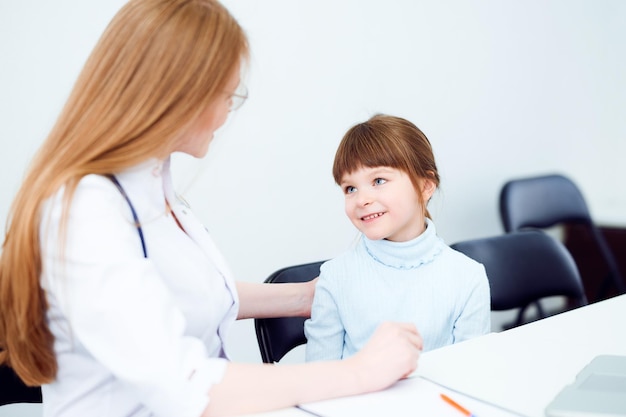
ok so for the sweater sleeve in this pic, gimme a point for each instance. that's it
(324, 330)
(475, 318)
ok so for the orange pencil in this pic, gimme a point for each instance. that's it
(457, 405)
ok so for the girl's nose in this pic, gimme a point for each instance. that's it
(365, 199)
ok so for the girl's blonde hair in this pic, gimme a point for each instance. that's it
(156, 68)
(388, 141)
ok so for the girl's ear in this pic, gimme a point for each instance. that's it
(428, 188)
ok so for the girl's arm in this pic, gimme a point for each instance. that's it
(275, 300)
(475, 319)
(391, 354)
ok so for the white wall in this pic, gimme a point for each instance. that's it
(502, 89)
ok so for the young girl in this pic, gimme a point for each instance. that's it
(400, 269)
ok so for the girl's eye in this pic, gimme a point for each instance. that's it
(379, 181)
(350, 189)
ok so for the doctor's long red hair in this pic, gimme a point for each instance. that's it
(156, 68)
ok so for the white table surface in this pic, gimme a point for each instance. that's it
(522, 369)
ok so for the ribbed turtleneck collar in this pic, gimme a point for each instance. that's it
(406, 255)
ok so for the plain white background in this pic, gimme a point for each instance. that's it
(503, 89)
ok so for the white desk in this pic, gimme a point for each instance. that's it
(522, 369)
(519, 370)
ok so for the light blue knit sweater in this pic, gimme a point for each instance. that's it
(424, 281)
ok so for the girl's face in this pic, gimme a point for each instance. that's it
(196, 141)
(383, 203)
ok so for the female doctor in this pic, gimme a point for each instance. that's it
(113, 296)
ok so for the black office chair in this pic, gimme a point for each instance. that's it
(545, 201)
(13, 390)
(524, 267)
(277, 336)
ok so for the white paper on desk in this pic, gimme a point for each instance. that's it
(412, 397)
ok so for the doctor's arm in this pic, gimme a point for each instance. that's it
(391, 354)
(275, 300)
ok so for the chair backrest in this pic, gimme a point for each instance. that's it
(523, 267)
(541, 202)
(277, 336)
(548, 200)
(13, 390)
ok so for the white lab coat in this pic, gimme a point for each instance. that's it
(133, 336)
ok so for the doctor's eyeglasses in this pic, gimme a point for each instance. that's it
(238, 98)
